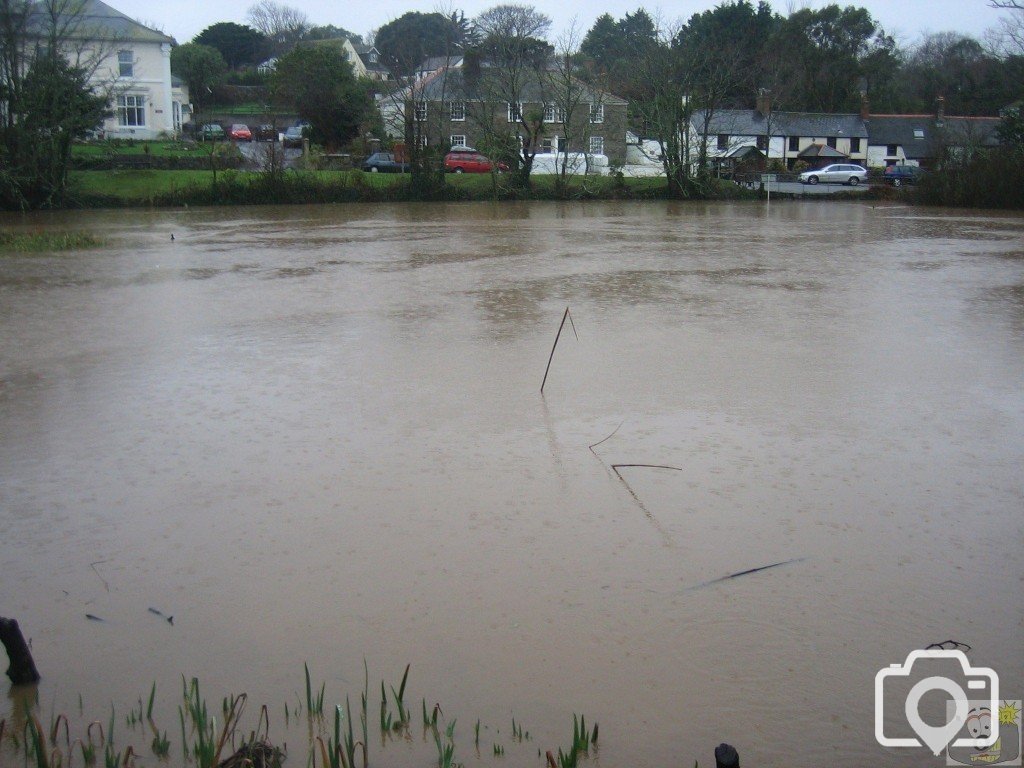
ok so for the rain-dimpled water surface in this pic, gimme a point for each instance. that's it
(315, 434)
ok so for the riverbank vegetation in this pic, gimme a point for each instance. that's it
(207, 735)
(115, 189)
(37, 242)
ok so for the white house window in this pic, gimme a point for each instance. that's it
(125, 64)
(131, 110)
(458, 140)
(919, 133)
(457, 111)
(549, 113)
(421, 110)
(597, 145)
(515, 111)
(597, 113)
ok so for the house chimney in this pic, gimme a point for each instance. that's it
(764, 101)
(940, 110)
(865, 107)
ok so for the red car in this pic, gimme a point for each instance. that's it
(466, 160)
(240, 132)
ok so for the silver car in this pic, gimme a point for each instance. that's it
(837, 173)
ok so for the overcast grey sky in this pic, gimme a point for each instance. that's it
(907, 19)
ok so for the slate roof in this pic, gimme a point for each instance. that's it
(750, 122)
(449, 84)
(98, 21)
(900, 129)
(823, 152)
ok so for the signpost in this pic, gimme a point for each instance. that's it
(767, 179)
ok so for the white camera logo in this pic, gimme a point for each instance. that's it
(937, 738)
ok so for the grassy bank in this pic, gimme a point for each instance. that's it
(37, 242)
(134, 188)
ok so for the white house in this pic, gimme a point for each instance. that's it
(132, 63)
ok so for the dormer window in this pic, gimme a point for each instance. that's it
(919, 133)
(125, 64)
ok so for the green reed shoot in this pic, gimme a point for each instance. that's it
(581, 741)
(403, 713)
(314, 706)
(88, 751)
(152, 697)
(445, 748)
(35, 742)
(363, 717)
(476, 734)
(385, 716)
(161, 744)
(499, 750)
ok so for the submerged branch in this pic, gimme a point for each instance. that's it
(551, 357)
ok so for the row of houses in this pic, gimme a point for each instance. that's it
(147, 101)
(749, 137)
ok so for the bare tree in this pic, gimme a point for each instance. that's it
(511, 72)
(281, 24)
(568, 95)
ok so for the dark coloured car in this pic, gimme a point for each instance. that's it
(264, 133)
(293, 136)
(384, 162)
(898, 175)
(466, 160)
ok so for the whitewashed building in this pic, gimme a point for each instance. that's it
(132, 63)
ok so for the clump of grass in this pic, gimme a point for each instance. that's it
(35, 242)
(446, 746)
(581, 741)
(207, 745)
(499, 751)
(161, 744)
(396, 722)
(340, 750)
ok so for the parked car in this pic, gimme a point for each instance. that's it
(211, 132)
(240, 132)
(293, 136)
(468, 160)
(384, 162)
(898, 175)
(837, 173)
(264, 133)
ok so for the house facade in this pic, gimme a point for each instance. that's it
(441, 109)
(131, 63)
(873, 141)
(919, 139)
(785, 136)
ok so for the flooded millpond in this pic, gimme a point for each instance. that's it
(316, 435)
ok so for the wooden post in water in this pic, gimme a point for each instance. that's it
(22, 670)
(726, 756)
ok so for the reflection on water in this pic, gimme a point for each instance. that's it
(315, 434)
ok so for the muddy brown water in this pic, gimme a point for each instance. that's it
(315, 435)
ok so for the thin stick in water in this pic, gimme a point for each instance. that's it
(592, 447)
(551, 357)
(748, 571)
